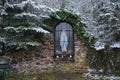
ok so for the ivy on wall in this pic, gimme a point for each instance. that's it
(74, 20)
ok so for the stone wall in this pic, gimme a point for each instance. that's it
(41, 59)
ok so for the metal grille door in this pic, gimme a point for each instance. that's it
(64, 40)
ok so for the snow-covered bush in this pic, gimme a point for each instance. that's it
(107, 18)
(107, 21)
(21, 25)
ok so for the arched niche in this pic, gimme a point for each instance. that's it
(64, 41)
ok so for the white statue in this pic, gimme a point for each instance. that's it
(63, 41)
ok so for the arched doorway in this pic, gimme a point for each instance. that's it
(64, 41)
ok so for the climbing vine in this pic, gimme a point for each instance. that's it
(74, 20)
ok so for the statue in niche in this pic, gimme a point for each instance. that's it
(63, 41)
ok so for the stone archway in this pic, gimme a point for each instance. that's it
(83, 39)
(76, 23)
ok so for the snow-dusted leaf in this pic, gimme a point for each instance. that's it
(18, 29)
(3, 13)
(2, 39)
(99, 45)
(20, 5)
(115, 45)
(39, 29)
(26, 14)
